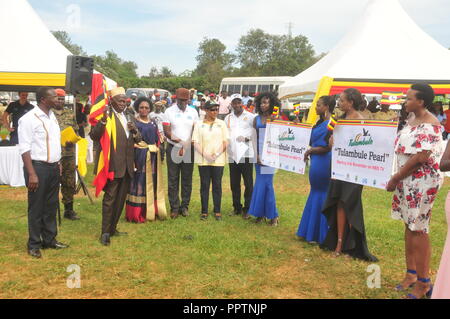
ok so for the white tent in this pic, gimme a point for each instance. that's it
(30, 55)
(384, 46)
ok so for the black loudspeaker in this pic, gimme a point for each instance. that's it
(79, 74)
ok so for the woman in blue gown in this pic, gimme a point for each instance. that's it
(313, 225)
(263, 204)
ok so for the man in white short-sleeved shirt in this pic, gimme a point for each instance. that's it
(40, 147)
(178, 125)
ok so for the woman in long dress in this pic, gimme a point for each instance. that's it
(145, 200)
(418, 147)
(263, 204)
(313, 225)
(441, 288)
(343, 206)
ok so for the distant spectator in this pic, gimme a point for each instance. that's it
(224, 105)
(245, 98)
(81, 118)
(447, 123)
(365, 112)
(372, 106)
(16, 109)
(438, 111)
(385, 113)
(167, 99)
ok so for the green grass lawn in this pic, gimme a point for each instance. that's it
(189, 258)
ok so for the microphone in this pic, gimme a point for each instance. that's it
(130, 119)
(129, 116)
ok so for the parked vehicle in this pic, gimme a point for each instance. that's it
(147, 92)
(252, 84)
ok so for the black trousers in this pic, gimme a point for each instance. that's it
(210, 174)
(113, 202)
(42, 206)
(246, 171)
(179, 167)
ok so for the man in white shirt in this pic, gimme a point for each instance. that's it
(40, 147)
(224, 105)
(245, 98)
(241, 154)
(178, 126)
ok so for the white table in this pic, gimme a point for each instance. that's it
(11, 166)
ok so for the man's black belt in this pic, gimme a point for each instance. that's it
(45, 163)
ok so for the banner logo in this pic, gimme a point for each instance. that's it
(361, 139)
(287, 136)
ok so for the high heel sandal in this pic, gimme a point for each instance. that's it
(338, 253)
(427, 294)
(274, 222)
(258, 220)
(399, 287)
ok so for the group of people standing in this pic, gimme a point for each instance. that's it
(211, 143)
(333, 215)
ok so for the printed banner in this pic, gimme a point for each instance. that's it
(285, 145)
(363, 152)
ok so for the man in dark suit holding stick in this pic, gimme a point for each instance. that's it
(121, 161)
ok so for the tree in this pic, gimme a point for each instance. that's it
(114, 67)
(165, 72)
(153, 72)
(64, 38)
(213, 61)
(253, 51)
(263, 54)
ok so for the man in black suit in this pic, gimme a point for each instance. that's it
(121, 163)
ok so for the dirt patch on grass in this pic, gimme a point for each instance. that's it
(13, 194)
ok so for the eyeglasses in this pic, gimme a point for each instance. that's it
(214, 110)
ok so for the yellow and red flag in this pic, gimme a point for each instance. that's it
(99, 100)
(332, 123)
(392, 98)
(276, 111)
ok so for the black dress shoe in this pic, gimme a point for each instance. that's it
(235, 212)
(105, 240)
(71, 215)
(35, 252)
(184, 212)
(55, 245)
(119, 233)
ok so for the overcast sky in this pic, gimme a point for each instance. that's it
(167, 32)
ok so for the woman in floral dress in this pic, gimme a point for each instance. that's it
(418, 148)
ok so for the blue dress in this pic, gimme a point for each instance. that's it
(136, 203)
(313, 225)
(263, 202)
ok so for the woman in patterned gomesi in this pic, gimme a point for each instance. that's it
(418, 147)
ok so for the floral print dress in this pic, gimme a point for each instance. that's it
(414, 196)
